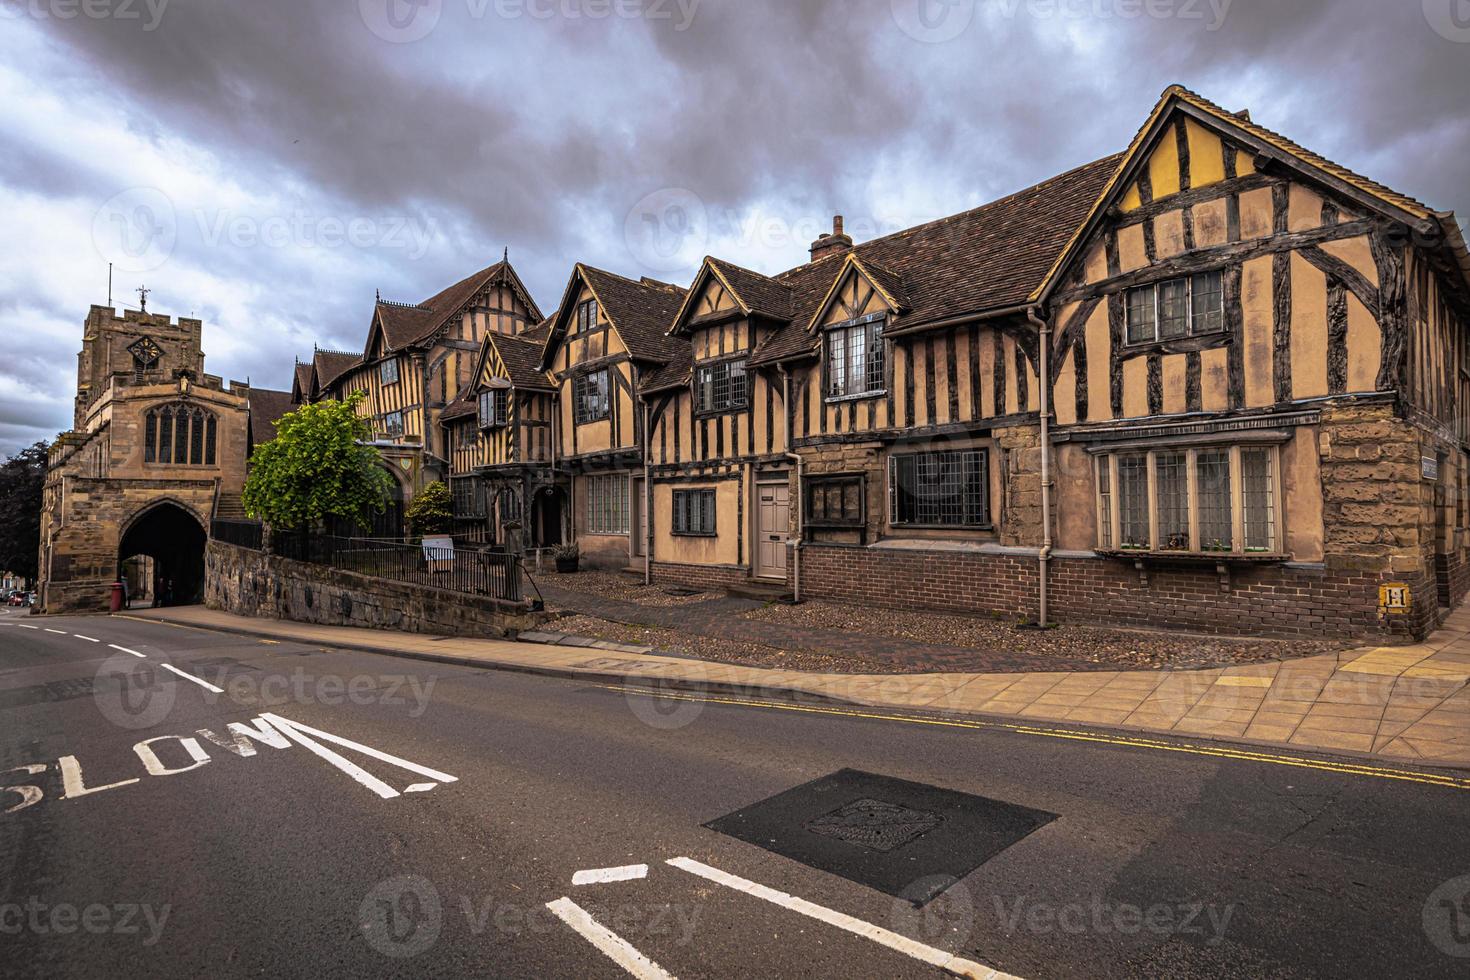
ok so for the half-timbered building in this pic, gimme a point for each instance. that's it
(608, 335)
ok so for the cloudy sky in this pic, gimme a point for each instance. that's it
(266, 166)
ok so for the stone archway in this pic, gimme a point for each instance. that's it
(172, 535)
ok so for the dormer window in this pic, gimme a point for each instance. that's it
(854, 359)
(586, 315)
(388, 372)
(493, 408)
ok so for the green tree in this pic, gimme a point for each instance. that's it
(432, 510)
(316, 467)
(21, 479)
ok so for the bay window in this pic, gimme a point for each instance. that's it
(1202, 500)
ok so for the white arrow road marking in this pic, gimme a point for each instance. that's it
(615, 947)
(596, 876)
(190, 677)
(302, 735)
(126, 650)
(909, 947)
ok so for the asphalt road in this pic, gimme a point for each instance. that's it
(311, 857)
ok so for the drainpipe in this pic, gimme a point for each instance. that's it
(800, 486)
(1044, 370)
(647, 497)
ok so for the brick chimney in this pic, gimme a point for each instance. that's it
(831, 244)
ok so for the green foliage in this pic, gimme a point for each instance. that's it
(317, 467)
(432, 510)
(21, 479)
(566, 552)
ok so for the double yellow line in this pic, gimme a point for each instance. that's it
(1132, 741)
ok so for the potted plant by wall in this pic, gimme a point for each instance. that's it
(566, 557)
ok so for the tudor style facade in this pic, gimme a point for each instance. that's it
(1209, 383)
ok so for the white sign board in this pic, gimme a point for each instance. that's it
(439, 552)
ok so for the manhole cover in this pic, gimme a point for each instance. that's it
(874, 824)
(902, 838)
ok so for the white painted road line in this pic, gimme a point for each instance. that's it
(301, 734)
(190, 677)
(57, 632)
(26, 626)
(87, 638)
(126, 650)
(596, 876)
(909, 947)
(615, 947)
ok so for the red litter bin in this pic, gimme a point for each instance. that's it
(115, 602)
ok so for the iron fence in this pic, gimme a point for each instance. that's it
(475, 572)
(243, 534)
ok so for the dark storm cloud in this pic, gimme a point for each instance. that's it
(500, 127)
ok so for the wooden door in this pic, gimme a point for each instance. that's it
(639, 526)
(773, 527)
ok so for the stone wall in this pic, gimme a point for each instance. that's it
(253, 583)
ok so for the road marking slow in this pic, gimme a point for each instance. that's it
(613, 946)
(1242, 753)
(190, 677)
(126, 650)
(87, 638)
(596, 876)
(957, 965)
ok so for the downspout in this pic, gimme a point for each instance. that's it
(1044, 370)
(800, 486)
(647, 496)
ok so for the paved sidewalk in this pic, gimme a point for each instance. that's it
(1402, 704)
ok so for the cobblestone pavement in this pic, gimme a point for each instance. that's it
(721, 617)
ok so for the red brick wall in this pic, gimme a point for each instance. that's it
(1269, 599)
(699, 576)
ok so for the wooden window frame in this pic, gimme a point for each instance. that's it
(987, 521)
(499, 414)
(601, 511)
(383, 366)
(579, 384)
(584, 318)
(825, 481)
(871, 326)
(1156, 288)
(679, 522)
(731, 404)
(1109, 512)
(388, 427)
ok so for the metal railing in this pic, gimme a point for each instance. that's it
(458, 570)
(243, 534)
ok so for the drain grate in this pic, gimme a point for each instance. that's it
(874, 824)
(905, 839)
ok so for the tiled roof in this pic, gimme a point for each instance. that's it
(266, 406)
(988, 258)
(463, 404)
(303, 378)
(404, 324)
(671, 375)
(331, 365)
(521, 355)
(761, 294)
(641, 312)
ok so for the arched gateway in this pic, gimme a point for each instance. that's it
(174, 537)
